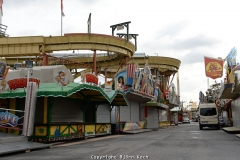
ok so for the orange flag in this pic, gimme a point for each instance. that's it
(213, 67)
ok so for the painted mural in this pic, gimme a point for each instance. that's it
(3, 74)
(120, 80)
(61, 79)
(137, 80)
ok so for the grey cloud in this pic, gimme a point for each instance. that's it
(90, 2)
(194, 57)
(172, 30)
(194, 42)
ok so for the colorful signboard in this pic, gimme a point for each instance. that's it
(138, 80)
(7, 118)
(213, 67)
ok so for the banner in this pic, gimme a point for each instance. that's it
(231, 57)
(213, 67)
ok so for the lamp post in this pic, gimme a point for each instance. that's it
(27, 128)
(156, 54)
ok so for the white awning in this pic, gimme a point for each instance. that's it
(175, 109)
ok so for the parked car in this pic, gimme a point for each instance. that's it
(195, 119)
(186, 120)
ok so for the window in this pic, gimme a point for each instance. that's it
(208, 111)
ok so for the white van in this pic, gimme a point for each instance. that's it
(208, 115)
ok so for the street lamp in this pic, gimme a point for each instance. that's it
(156, 54)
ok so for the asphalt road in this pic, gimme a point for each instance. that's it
(182, 142)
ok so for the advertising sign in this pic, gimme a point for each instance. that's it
(7, 118)
(213, 67)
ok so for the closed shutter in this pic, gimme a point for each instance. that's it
(39, 110)
(162, 115)
(67, 110)
(124, 113)
(152, 118)
(103, 114)
(134, 111)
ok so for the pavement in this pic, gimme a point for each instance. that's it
(11, 143)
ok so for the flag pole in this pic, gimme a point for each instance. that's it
(61, 22)
(61, 15)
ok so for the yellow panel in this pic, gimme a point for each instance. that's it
(73, 130)
(40, 131)
(52, 130)
(62, 128)
(13, 131)
(104, 128)
(89, 130)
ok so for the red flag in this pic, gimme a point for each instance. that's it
(62, 8)
(1, 3)
(213, 67)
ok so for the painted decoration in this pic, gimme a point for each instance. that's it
(30, 107)
(130, 126)
(91, 78)
(8, 119)
(80, 130)
(103, 129)
(130, 74)
(83, 77)
(139, 80)
(231, 57)
(3, 74)
(213, 67)
(61, 79)
(3, 70)
(108, 86)
(40, 131)
(57, 132)
(120, 79)
(167, 93)
(21, 83)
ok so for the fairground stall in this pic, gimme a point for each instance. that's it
(60, 109)
(139, 88)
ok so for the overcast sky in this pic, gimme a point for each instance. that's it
(182, 29)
